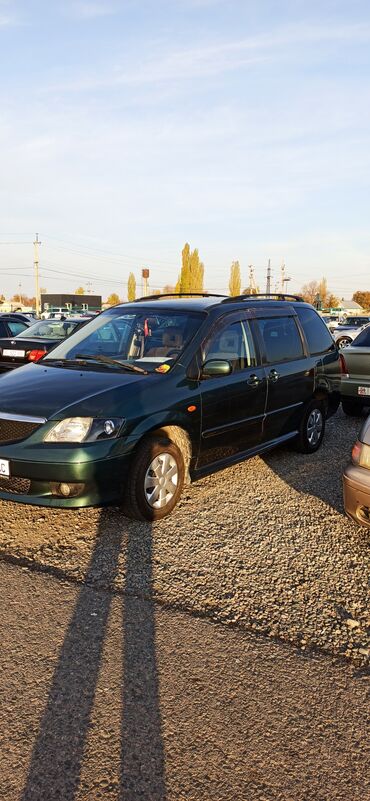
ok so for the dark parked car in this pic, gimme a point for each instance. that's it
(13, 324)
(356, 479)
(33, 342)
(154, 393)
(355, 387)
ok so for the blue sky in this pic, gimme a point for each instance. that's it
(131, 126)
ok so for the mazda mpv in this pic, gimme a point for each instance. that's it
(161, 391)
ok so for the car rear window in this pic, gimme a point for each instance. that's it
(362, 340)
(318, 337)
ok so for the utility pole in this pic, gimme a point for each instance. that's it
(268, 279)
(20, 293)
(282, 276)
(252, 283)
(36, 266)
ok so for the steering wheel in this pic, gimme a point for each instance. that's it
(173, 352)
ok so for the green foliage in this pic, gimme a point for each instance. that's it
(362, 298)
(131, 287)
(235, 282)
(192, 271)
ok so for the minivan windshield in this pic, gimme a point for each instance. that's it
(145, 339)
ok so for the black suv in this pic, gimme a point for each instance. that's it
(154, 393)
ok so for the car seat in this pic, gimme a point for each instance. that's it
(172, 339)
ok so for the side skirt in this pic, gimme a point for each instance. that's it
(240, 457)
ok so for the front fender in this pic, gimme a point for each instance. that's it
(188, 421)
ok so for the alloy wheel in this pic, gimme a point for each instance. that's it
(161, 480)
(314, 426)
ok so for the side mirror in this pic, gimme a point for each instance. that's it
(216, 367)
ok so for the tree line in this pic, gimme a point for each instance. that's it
(191, 280)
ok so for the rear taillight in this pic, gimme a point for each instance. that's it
(343, 366)
(35, 355)
(361, 454)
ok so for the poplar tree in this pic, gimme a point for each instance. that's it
(192, 271)
(131, 287)
(235, 283)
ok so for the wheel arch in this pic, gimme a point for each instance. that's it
(177, 434)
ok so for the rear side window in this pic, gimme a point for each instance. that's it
(318, 337)
(362, 340)
(16, 327)
(281, 339)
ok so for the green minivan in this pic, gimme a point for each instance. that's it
(161, 391)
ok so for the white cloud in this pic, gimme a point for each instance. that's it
(165, 65)
(91, 9)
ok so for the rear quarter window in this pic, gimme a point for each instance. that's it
(319, 339)
(362, 340)
(16, 327)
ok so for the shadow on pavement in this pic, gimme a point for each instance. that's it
(319, 474)
(56, 762)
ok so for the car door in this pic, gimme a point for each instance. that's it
(233, 405)
(290, 374)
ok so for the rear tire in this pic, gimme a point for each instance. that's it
(155, 481)
(352, 407)
(312, 428)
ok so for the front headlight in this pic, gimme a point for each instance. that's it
(84, 429)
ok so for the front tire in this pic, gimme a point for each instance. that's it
(343, 342)
(352, 407)
(312, 428)
(155, 481)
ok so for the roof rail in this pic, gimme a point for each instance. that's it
(262, 296)
(180, 295)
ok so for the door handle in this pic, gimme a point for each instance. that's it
(253, 380)
(274, 375)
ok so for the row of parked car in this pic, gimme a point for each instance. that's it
(346, 329)
(149, 395)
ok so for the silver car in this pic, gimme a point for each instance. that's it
(347, 331)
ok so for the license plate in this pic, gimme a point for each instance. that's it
(363, 390)
(17, 354)
(4, 468)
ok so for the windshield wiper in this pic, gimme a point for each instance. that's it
(107, 360)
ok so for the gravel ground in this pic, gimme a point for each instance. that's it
(264, 545)
(112, 697)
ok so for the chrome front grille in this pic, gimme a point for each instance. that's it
(17, 427)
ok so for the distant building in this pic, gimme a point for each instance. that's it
(349, 307)
(74, 303)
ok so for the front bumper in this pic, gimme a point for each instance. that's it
(101, 468)
(356, 494)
